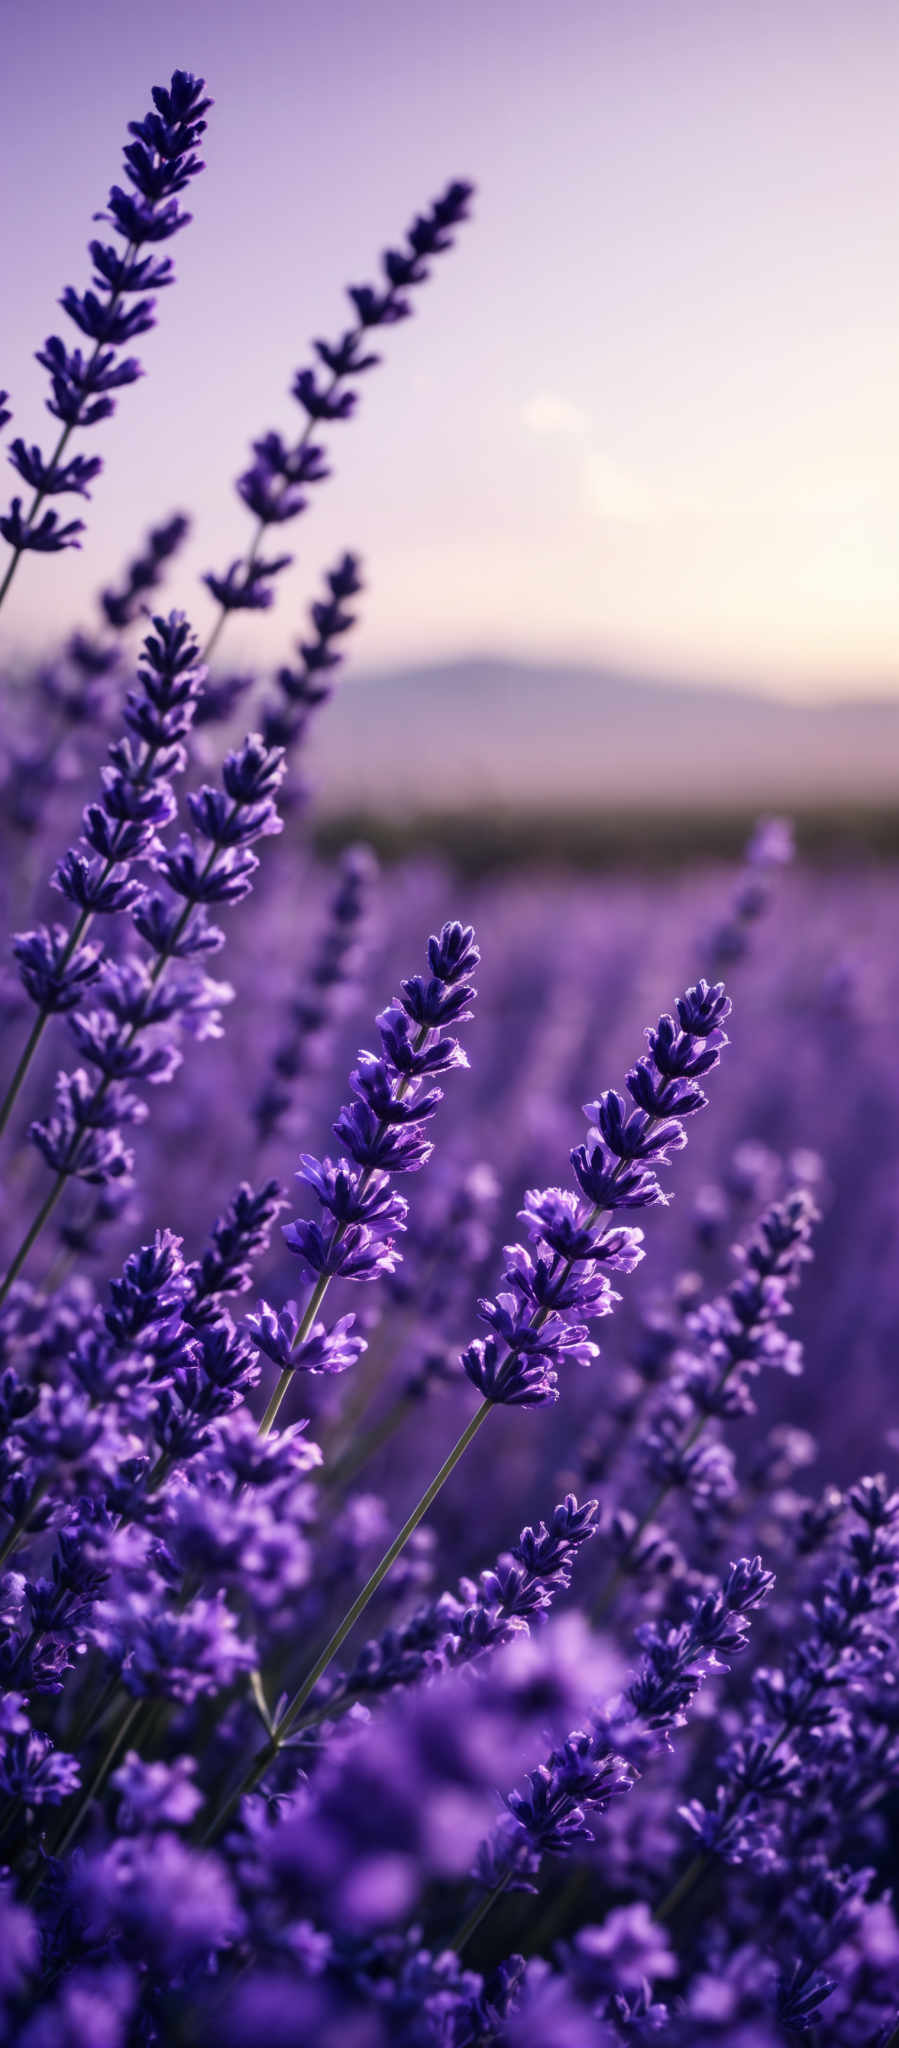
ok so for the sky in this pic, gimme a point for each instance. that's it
(646, 413)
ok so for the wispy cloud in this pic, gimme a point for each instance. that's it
(611, 491)
(547, 413)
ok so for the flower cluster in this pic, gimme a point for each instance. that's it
(383, 1131)
(537, 1325)
(726, 1344)
(275, 487)
(480, 1616)
(304, 688)
(797, 1717)
(128, 1037)
(123, 825)
(160, 162)
(144, 573)
(771, 847)
(587, 1771)
(316, 1005)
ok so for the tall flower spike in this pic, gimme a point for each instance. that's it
(160, 162)
(81, 1138)
(516, 1366)
(795, 1717)
(144, 572)
(551, 1816)
(480, 1616)
(314, 1008)
(724, 1346)
(306, 687)
(136, 802)
(770, 847)
(540, 1320)
(383, 1131)
(240, 1235)
(120, 1038)
(275, 486)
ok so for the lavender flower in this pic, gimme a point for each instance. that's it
(136, 803)
(306, 687)
(536, 1325)
(314, 1009)
(480, 1616)
(797, 1708)
(145, 572)
(725, 1345)
(275, 485)
(586, 1772)
(382, 1131)
(83, 1138)
(238, 1236)
(159, 164)
(770, 847)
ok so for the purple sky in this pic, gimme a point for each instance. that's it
(646, 412)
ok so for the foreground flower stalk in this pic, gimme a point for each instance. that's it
(136, 802)
(275, 486)
(534, 1325)
(159, 164)
(267, 1755)
(82, 1138)
(726, 1345)
(383, 1132)
(587, 1772)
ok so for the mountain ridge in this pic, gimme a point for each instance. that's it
(479, 729)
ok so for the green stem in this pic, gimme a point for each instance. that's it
(64, 437)
(606, 1598)
(252, 1776)
(311, 1311)
(36, 504)
(266, 1755)
(37, 1030)
(97, 1782)
(256, 540)
(324, 1280)
(351, 1463)
(463, 1934)
(683, 1886)
(95, 1785)
(33, 1233)
(71, 1160)
(30, 1048)
(381, 1570)
(12, 1535)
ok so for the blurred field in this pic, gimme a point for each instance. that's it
(482, 841)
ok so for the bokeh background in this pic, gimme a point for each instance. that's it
(627, 490)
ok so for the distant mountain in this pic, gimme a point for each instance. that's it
(476, 731)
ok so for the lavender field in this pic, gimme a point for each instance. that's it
(342, 1708)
